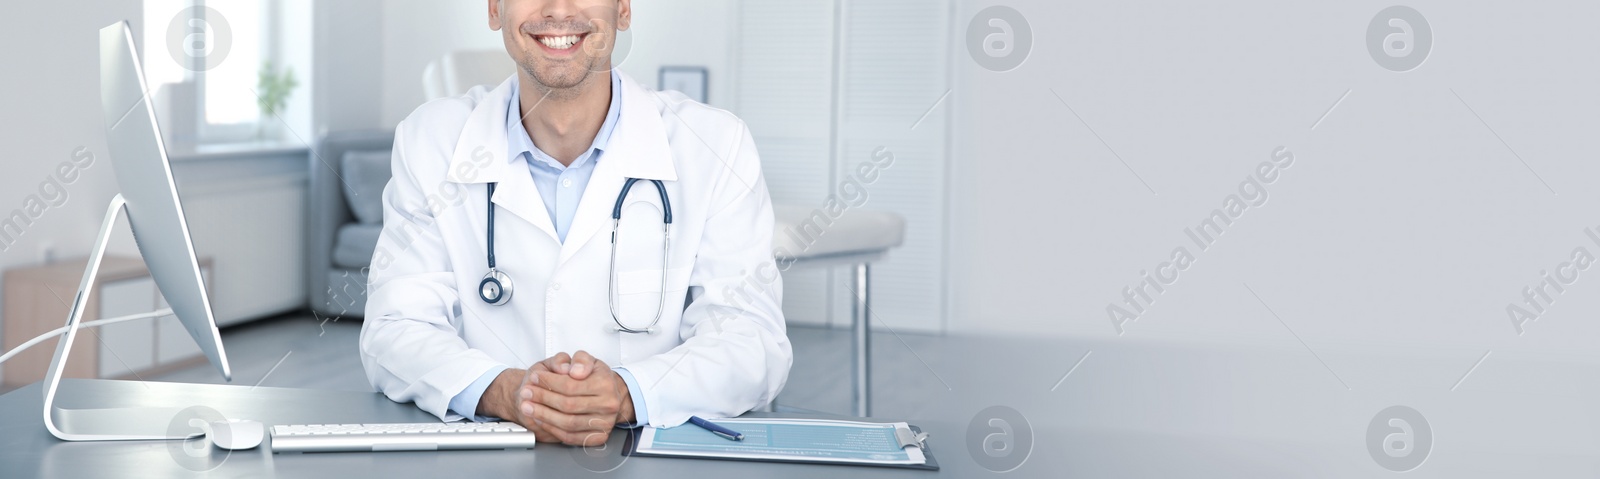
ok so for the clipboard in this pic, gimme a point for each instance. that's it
(912, 435)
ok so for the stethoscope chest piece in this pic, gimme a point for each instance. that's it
(495, 288)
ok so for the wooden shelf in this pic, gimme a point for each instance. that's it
(38, 299)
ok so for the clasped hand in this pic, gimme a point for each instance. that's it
(576, 399)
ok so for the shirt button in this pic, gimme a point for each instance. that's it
(567, 182)
(555, 286)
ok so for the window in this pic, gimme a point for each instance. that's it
(203, 61)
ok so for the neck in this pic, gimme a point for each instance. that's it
(563, 122)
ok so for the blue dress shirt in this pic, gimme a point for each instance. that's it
(561, 187)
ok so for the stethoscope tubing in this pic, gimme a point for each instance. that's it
(503, 282)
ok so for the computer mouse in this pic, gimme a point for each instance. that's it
(236, 434)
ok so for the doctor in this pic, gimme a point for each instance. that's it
(516, 305)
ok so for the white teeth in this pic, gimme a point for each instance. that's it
(559, 43)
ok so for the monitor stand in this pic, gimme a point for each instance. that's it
(106, 424)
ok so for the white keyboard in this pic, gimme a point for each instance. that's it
(400, 437)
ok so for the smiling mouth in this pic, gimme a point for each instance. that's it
(561, 43)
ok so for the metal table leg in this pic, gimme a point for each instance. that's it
(861, 358)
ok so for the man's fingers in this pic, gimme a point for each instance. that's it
(561, 363)
(547, 437)
(583, 364)
(594, 438)
(580, 365)
(549, 434)
(551, 399)
(527, 376)
(568, 427)
(594, 404)
(554, 381)
(578, 438)
(565, 384)
(540, 433)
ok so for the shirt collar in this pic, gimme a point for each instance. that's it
(519, 142)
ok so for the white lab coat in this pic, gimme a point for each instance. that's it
(720, 348)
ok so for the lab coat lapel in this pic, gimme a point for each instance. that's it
(637, 149)
(481, 157)
(594, 209)
(517, 194)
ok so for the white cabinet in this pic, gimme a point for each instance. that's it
(247, 210)
(35, 302)
(126, 348)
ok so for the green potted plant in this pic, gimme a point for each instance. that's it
(272, 95)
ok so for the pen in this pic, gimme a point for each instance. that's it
(729, 434)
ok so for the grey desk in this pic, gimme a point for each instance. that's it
(27, 450)
(1119, 407)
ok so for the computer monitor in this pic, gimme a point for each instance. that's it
(139, 156)
(149, 197)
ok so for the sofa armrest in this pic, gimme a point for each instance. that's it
(327, 209)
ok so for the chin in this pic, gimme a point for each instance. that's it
(563, 75)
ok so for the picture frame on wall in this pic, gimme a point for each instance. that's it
(690, 80)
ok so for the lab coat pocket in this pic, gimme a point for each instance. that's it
(641, 293)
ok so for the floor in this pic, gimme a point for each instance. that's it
(301, 350)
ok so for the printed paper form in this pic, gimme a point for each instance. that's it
(786, 439)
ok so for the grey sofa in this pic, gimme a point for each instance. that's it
(348, 173)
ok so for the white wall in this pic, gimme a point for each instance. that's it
(51, 107)
(684, 33)
(348, 46)
(415, 32)
(1404, 220)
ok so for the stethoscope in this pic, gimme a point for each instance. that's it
(496, 287)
